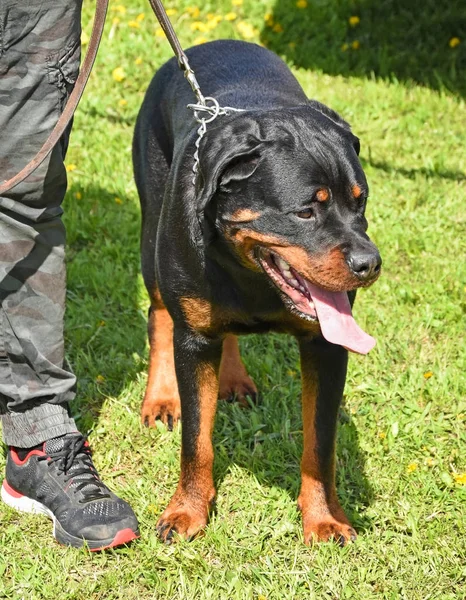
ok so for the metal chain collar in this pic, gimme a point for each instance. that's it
(205, 104)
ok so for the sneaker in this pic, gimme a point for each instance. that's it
(58, 479)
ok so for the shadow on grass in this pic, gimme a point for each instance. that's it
(394, 39)
(105, 328)
(266, 439)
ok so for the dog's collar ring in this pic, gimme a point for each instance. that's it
(214, 110)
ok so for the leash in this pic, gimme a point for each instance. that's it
(205, 104)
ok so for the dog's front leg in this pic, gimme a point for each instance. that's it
(323, 370)
(197, 360)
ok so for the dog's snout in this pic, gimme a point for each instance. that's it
(365, 264)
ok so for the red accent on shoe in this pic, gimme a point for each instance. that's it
(16, 459)
(122, 537)
(11, 491)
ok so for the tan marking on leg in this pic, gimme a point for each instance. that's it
(234, 381)
(188, 511)
(161, 400)
(323, 518)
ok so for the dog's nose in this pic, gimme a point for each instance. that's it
(365, 265)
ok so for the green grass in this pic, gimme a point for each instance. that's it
(401, 436)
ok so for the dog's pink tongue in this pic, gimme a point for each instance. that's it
(336, 321)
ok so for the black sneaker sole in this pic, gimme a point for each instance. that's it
(25, 504)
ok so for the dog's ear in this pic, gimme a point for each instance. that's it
(228, 158)
(335, 117)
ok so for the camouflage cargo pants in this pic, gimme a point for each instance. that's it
(39, 62)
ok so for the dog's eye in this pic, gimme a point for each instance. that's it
(305, 214)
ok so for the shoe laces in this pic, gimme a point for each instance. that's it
(74, 460)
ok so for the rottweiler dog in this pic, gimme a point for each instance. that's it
(271, 236)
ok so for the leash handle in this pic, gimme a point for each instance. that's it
(71, 105)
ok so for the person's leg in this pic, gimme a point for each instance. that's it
(49, 467)
(39, 62)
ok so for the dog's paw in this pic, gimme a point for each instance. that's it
(238, 388)
(167, 410)
(183, 519)
(329, 529)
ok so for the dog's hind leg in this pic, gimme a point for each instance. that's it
(161, 400)
(234, 381)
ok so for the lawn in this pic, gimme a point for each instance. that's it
(396, 72)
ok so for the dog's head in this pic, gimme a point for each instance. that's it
(286, 191)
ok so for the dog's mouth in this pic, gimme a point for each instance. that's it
(289, 282)
(331, 310)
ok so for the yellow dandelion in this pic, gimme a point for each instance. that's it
(102, 324)
(115, 21)
(301, 4)
(268, 18)
(71, 167)
(134, 24)
(78, 195)
(122, 102)
(231, 16)
(430, 461)
(345, 47)
(84, 38)
(455, 41)
(353, 21)
(291, 373)
(382, 435)
(138, 61)
(159, 32)
(411, 467)
(99, 379)
(200, 40)
(118, 74)
(428, 374)
(171, 12)
(277, 28)
(246, 30)
(292, 45)
(118, 200)
(199, 26)
(193, 11)
(213, 21)
(460, 478)
(237, 2)
(152, 509)
(356, 45)
(119, 8)
(141, 17)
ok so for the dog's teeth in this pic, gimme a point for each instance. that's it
(294, 283)
(284, 266)
(287, 274)
(311, 304)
